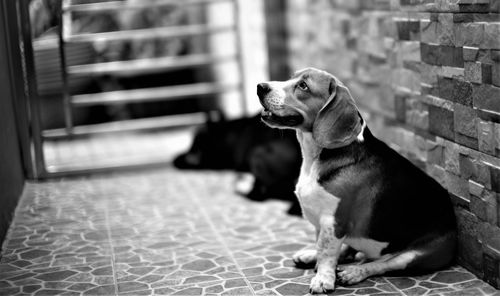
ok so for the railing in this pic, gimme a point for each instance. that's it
(132, 68)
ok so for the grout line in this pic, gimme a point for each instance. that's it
(219, 238)
(110, 241)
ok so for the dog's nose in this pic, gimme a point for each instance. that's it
(262, 89)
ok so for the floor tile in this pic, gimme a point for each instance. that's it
(166, 232)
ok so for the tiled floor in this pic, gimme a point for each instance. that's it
(171, 232)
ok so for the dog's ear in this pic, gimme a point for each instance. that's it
(338, 122)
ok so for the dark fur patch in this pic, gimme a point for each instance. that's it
(384, 196)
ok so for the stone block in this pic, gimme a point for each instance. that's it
(408, 30)
(465, 120)
(445, 32)
(457, 185)
(462, 92)
(484, 56)
(429, 73)
(463, 17)
(469, 253)
(418, 118)
(409, 50)
(435, 153)
(491, 266)
(437, 173)
(441, 122)
(428, 31)
(417, 113)
(470, 8)
(452, 72)
(495, 5)
(486, 73)
(466, 141)
(467, 223)
(495, 55)
(473, 72)
(400, 107)
(406, 78)
(468, 169)
(484, 175)
(495, 177)
(486, 137)
(491, 33)
(486, 97)
(489, 235)
(497, 135)
(446, 87)
(451, 56)
(495, 74)
(455, 90)
(486, 17)
(483, 203)
(429, 53)
(469, 34)
(470, 53)
(475, 189)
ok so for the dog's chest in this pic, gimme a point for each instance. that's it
(314, 199)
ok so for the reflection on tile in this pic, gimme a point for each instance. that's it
(166, 232)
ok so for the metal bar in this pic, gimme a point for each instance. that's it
(30, 89)
(145, 66)
(19, 98)
(150, 94)
(240, 50)
(151, 123)
(68, 116)
(150, 33)
(119, 5)
(66, 18)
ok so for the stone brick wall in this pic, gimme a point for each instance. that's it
(426, 75)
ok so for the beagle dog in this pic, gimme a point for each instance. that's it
(358, 193)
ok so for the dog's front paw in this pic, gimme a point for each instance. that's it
(305, 257)
(322, 283)
(351, 274)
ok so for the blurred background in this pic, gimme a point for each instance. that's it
(103, 68)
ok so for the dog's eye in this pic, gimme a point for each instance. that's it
(303, 86)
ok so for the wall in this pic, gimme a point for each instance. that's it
(426, 74)
(11, 171)
(277, 36)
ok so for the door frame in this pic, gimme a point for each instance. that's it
(22, 82)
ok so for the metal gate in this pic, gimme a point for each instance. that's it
(72, 50)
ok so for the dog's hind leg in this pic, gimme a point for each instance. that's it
(424, 256)
(352, 274)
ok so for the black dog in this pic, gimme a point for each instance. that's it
(248, 145)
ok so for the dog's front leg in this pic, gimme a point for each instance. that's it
(328, 249)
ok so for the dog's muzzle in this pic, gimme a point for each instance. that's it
(269, 114)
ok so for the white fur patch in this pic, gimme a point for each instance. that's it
(360, 135)
(244, 183)
(276, 97)
(315, 201)
(371, 248)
